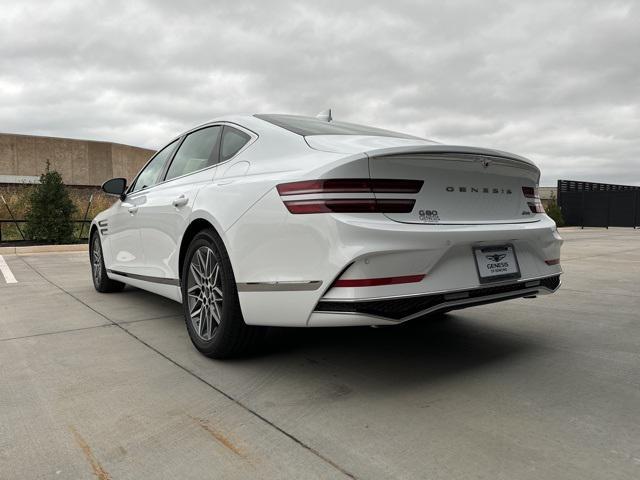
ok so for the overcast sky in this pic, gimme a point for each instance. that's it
(556, 81)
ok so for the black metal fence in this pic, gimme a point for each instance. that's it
(589, 204)
(13, 230)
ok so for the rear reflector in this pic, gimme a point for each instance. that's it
(532, 193)
(554, 261)
(349, 205)
(375, 282)
(350, 185)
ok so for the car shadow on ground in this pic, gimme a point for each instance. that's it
(426, 349)
(435, 347)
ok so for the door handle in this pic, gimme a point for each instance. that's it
(130, 207)
(181, 201)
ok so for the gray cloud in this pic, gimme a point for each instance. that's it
(558, 82)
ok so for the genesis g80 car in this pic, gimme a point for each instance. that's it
(284, 220)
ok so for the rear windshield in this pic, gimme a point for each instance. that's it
(313, 126)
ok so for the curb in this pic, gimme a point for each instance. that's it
(44, 249)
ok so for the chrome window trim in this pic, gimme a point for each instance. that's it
(253, 138)
(135, 179)
(167, 167)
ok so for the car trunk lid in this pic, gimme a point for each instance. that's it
(462, 185)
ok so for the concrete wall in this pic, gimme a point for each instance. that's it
(80, 162)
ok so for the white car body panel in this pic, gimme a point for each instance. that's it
(123, 246)
(285, 264)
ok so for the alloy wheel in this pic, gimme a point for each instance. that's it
(204, 290)
(96, 260)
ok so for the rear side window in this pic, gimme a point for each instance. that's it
(232, 141)
(198, 150)
(314, 126)
(148, 177)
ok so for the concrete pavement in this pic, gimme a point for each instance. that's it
(109, 386)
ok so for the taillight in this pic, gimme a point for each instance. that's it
(349, 204)
(533, 199)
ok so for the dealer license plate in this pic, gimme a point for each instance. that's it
(496, 263)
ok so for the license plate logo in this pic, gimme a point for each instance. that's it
(496, 263)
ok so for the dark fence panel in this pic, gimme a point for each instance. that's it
(622, 208)
(590, 204)
(571, 205)
(595, 209)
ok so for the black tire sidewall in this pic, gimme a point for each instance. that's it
(103, 283)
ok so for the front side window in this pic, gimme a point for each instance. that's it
(148, 177)
(232, 141)
(199, 150)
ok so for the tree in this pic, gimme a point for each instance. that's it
(50, 213)
(553, 210)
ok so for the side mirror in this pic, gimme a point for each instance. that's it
(115, 186)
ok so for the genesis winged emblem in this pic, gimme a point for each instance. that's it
(496, 257)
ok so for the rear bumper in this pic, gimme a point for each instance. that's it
(404, 308)
(286, 265)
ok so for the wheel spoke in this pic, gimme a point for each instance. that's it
(203, 321)
(208, 264)
(202, 263)
(216, 273)
(197, 274)
(195, 312)
(215, 311)
(210, 322)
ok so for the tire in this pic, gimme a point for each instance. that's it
(101, 281)
(210, 301)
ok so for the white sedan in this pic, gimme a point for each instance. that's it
(283, 220)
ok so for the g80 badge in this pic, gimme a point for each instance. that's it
(429, 216)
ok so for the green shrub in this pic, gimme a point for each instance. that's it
(50, 212)
(553, 210)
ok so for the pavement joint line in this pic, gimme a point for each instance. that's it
(230, 397)
(164, 317)
(62, 252)
(46, 334)
(79, 329)
(6, 271)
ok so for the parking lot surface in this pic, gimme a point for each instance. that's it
(108, 386)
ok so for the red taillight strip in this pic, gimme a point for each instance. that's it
(375, 282)
(350, 185)
(350, 205)
(379, 185)
(554, 261)
(536, 207)
(532, 193)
